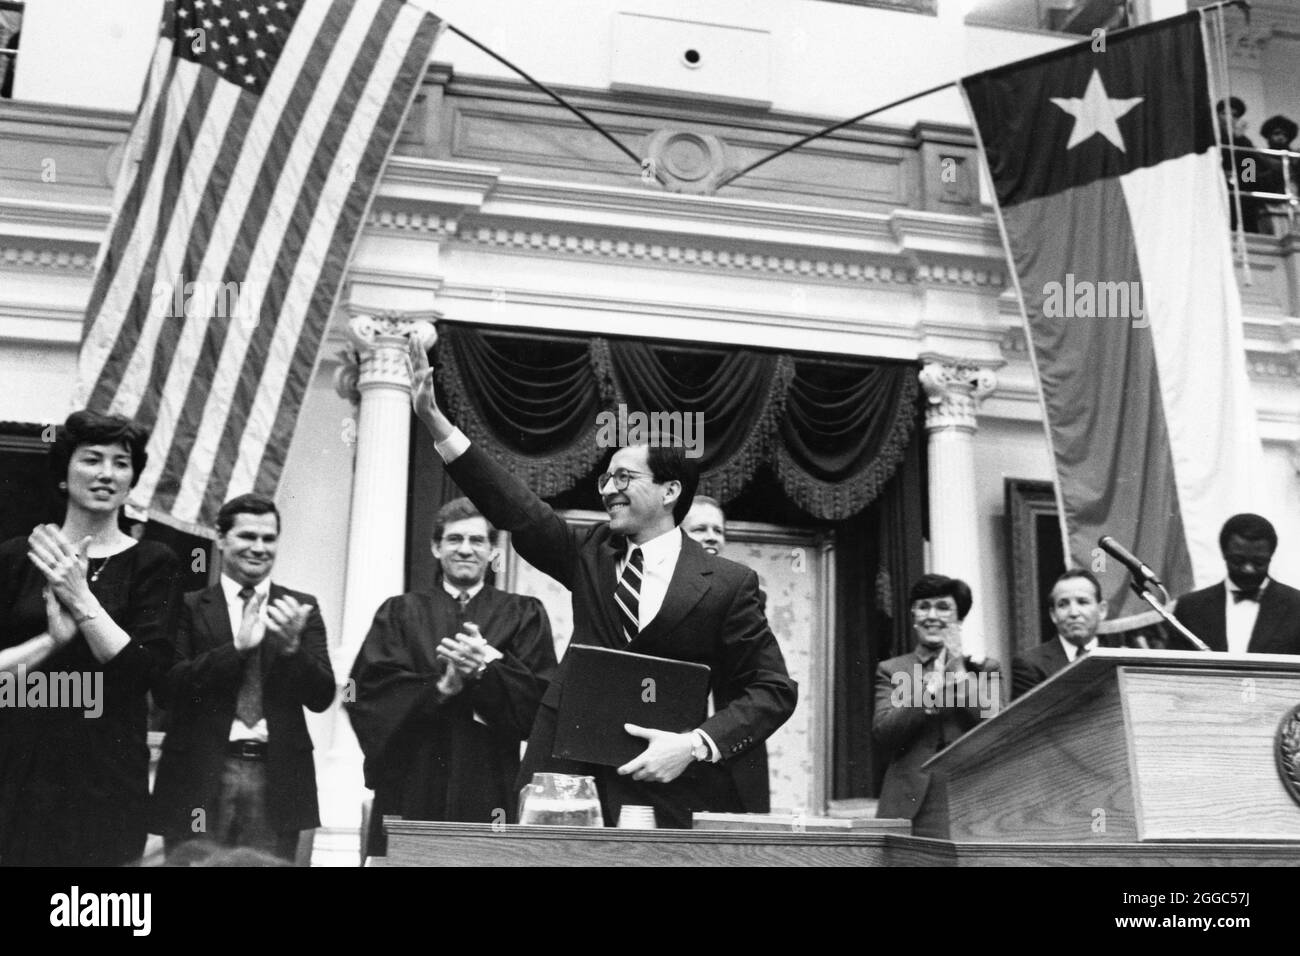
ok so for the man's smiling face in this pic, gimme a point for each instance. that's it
(643, 509)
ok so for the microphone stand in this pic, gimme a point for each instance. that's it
(1158, 607)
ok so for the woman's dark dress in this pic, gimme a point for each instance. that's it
(74, 789)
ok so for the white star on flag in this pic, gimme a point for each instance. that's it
(1096, 113)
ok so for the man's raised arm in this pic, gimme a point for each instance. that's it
(537, 532)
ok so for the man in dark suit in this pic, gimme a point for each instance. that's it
(237, 766)
(639, 584)
(706, 523)
(927, 699)
(1077, 609)
(1249, 612)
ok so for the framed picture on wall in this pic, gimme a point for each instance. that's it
(1037, 558)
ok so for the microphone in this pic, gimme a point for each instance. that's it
(1127, 558)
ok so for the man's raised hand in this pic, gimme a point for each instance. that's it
(423, 400)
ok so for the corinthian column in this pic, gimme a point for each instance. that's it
(379, 381)
(955, 392)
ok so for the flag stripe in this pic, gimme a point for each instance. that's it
(235, 110)
(112, 329)
(146, 313)
(257, 203)
(1195, 309)
(1100, 383)
(278, 352)
(143, 142)
(275, 446)
(246, 190)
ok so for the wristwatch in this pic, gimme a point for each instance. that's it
(699, 747)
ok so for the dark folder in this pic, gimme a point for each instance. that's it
(605, 689)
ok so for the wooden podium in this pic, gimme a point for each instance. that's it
(1125, 758)
(1127, 748)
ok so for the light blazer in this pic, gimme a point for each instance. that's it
(1277, 629)
(711, 615)
(200, 694)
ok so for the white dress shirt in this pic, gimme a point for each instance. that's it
(235, 608)
(660, 561)
(1072, 649)
(1240, 617)
(660, 556)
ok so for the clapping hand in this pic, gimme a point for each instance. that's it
(60, 624)
(64, 566)
(285, 620)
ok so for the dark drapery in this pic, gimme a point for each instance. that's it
(834, 432)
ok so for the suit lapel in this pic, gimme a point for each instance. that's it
(1216, 635)
(608, 554)
(1271, 619)
(215, 615)
(689, 583)
(1056, 658)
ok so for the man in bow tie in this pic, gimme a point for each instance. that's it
(1249, 612)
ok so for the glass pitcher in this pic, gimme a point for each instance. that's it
(560, 800)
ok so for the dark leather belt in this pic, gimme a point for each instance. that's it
(246, 749)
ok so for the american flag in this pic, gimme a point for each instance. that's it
(262, 131)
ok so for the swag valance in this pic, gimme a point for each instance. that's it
(833, 432)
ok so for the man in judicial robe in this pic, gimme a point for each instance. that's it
(447, 684)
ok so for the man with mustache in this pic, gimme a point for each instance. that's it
(639, 584)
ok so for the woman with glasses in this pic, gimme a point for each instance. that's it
(927, 699)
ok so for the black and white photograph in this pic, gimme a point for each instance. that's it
(650, 434)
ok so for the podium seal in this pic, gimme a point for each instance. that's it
(1287, 749)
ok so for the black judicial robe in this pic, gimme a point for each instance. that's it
(428, 759)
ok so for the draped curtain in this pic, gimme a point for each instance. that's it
(834, 432)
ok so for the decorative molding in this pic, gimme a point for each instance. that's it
(678, 255)
(377, 358)
(63, 260)
(955, 391)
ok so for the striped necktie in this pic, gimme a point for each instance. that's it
(628, 594)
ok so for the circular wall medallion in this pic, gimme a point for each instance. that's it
(1287, 748)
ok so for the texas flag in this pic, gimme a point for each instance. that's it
(1114, 210)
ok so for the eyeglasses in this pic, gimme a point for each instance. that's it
(940, 607)
(621, 478)
(476, 541)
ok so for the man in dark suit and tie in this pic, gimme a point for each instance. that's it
(237, 766)
(1077, 609)
(1249, 612)
(639, 584)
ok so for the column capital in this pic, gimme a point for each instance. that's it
(377, 358)
(955, 390)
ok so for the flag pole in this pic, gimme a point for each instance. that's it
(831, 129)
(1221, 4)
